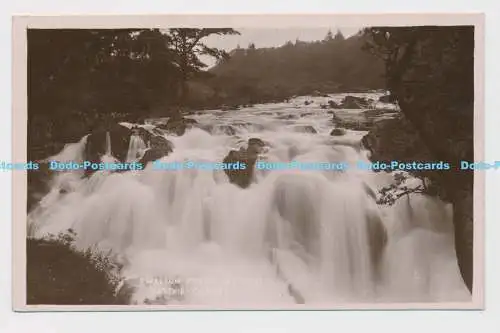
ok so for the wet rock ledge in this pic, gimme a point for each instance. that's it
(243, 178)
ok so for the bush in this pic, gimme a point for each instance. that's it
(59, 274)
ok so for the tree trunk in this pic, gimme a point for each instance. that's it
(463, 201)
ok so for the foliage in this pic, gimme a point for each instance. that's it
(57, 273)
(389, 194)
(430, 72)
(421, 61)
(257, 75)
(109, 74)
(188, 45)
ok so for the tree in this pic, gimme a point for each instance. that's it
(188, 46)
(338, 36)
(98, 69)
(96, 76)
(430, 72)
(329, 36)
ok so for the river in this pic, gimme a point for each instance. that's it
(190, 237)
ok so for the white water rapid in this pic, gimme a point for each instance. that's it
(136, 148)
(191, 237)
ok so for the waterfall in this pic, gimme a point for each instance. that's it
(71, 152)
(136, 148)
(293, 236)
(108, 144)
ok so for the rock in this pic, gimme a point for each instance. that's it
(352, 102)
(338, 132)
(357, 125)
(97, 140)
(159, 142)
(256, 141)
(306, 129)
(144, 134)
(120, 140)
(255, 145)
(158, 131)
(386, 99)
(241, 177)
(159, 147)
(307, 102)
(379, 113)
(226, 129)
(229, 107)
(178, 125)
(153, 154)
(363, 121)
(248, 156)
(333, 105)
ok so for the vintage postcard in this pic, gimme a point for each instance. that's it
(248, 162)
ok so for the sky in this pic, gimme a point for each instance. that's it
(270, 37)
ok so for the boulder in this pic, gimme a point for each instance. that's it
(338, 132)
(333, 105)
(256, 142)
(255, 145)
(248, 156)
(153, 154)
(243, 177)
(120, 140)
(144, 134)
(159, 147)
(178, 125)
(352, 102)
(96, 142)
(159, 142)
(386, 99)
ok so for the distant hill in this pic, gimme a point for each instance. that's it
(254, 75)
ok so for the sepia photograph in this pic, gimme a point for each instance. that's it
(227, 167)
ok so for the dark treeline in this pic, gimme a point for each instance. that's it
(78, 79)
(253, 75)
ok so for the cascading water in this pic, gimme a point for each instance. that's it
(136, 148)
(291, 237)
(108, 144)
